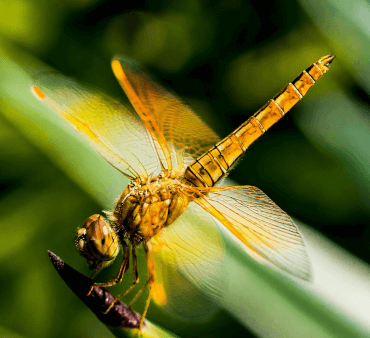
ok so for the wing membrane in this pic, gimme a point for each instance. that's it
(180, 135)
(111, 128)
(189, 262)
(267, 231)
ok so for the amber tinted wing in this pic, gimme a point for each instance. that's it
(189, 264)
(179, 134)
(111, 128)
(267, 231)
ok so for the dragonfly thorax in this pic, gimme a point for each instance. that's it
(147, 206)
(144, 208)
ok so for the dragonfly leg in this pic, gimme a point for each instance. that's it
(136, 280)
(149, 282)
(97, 269)
(122, 270)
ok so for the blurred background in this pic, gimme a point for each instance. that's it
(226, 59)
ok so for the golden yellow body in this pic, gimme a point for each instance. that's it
(191, 159)
(208, 169)
(144, 208)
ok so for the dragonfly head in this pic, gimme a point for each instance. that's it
(97, 242)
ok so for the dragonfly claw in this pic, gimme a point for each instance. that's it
(111, 305)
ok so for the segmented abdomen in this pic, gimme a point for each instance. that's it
(209, 168)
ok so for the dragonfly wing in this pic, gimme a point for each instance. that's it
(181, 136)
(111, 128)
(189, 263)
(268, 233)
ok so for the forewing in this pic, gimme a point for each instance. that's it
(267, 232)
(189, 263)
(180, 135)
(111, 128)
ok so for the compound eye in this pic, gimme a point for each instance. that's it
(90, 220)
(97, 241)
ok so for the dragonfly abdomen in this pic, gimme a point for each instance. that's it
(209, 168)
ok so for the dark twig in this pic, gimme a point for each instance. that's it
(98, 300)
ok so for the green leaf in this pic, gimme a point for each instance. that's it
(268, 302)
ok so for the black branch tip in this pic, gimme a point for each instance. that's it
(98, 300)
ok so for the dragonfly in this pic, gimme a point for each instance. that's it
(175, 164)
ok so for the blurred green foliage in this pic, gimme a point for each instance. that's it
(225, 58)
